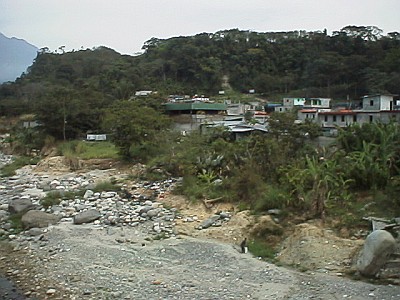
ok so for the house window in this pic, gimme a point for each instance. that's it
(371, 119)
(342, 118)
(334, 118)
(355, 118)
(371, 103)
(326, 118)
(313, 116)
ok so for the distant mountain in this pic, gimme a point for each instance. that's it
(16, 55)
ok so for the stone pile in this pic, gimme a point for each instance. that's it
(131, 207)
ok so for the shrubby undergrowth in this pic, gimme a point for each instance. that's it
(276, 170)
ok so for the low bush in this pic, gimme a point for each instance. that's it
(273, 197)
(107, 186)
(16, 223)
(52, 198)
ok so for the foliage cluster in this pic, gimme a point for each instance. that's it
(283, 170)
(135, 128)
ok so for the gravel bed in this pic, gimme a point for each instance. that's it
(89, 262)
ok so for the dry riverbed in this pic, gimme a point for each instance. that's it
(98, 261)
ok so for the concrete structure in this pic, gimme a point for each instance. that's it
(310, 103)
(189, 115)
(375, 108)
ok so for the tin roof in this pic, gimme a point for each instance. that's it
(195, 106)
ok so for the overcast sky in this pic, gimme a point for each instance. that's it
(124, 25)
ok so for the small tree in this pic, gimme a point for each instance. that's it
(133, 125)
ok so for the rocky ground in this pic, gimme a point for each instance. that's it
(147, 244)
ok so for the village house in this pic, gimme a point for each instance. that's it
(375, 108)
(188, 115)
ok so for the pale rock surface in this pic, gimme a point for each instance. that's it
(20, 205)
(39, 219)
(87, 216)
(378, 246)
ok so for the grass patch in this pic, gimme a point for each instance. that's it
(261, 249)
(55, 197)
(160, 236)
(52, 198)
(16, 223)
(88, 150)
(107, 186)
(9, 169)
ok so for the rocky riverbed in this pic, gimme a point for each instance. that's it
(132, 247)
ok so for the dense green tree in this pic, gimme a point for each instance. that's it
(132, 125)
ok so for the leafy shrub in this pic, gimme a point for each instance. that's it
(273, 197)
(192, 188)
(246, 184)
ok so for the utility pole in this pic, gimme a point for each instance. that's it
(64, 117)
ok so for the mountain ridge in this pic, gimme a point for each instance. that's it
(16, 55)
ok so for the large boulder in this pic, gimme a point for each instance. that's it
(87, 216)
(378, 246)
(38, 219)
(209, 222)
(20, 205)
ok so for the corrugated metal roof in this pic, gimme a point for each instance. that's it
(195, 106)
(338, 112)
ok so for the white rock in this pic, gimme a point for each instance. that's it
(88, 194)
(50, 291)
(55, 182)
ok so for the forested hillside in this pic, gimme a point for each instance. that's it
(349, 63)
